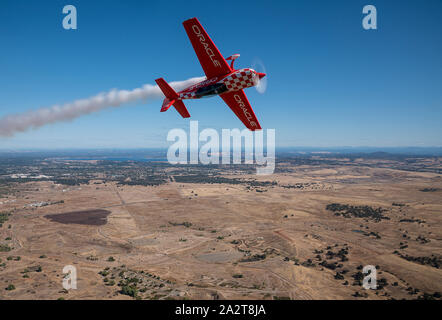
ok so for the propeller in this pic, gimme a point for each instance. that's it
(260, 82)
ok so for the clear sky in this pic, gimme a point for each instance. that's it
(330, 82)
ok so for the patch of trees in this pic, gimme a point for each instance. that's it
(185, 224)
(308, 263)
(200, 178)
(428, 296)
(255, 257)
(349, 211)
(5, 248)
(422, 239)
(412, 220)
(10, 287)
(4, 216)
(330, 265)
(341, 254)
(298, 185)
(429, 190)
(368, 234)
(433, 261)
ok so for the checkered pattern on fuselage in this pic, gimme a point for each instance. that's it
(187, 95)
(239, 80)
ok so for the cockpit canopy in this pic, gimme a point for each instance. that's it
(211, 90)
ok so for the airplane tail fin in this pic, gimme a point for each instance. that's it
(171, 99)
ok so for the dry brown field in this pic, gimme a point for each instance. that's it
(223, 241)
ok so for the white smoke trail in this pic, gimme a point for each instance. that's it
(14, 123)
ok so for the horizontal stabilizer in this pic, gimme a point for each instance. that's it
(181, 108)
(167, 90)
(171, 99)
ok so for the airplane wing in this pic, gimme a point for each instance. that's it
(210, 58)
(240, 105)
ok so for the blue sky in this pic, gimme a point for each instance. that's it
(330, 82)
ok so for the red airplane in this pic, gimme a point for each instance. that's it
(222, 79)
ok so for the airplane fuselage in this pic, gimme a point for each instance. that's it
(234, 81)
